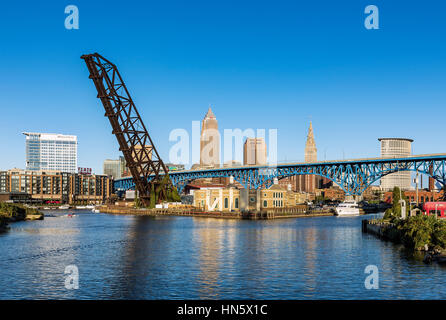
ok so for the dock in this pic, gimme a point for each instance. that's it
(277, 213)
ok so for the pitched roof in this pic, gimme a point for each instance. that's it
(209, 114)
(277, 187)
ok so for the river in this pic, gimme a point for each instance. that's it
(128, 257)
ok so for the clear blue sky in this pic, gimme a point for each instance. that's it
(260, 64)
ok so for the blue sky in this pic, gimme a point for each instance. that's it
(272, 64)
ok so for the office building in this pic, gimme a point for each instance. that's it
(399, 148)
(48, 151)
(112, 168)
(209, 141)
(254, 152)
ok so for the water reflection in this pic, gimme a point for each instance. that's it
(125, 257)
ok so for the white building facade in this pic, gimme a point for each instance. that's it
(396, 148)
(50, 151)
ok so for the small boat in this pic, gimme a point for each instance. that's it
(89, 206)
(96, 210)
(81, 207)
(347, 208)
(64, 207)
(46, 208)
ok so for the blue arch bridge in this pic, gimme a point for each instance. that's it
(353, 176)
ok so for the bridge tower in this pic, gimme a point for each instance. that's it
(149, 173)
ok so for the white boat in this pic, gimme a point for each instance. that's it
(96, 210)
(89, 206)
(347, 208)
(64, 207)
(81, 207)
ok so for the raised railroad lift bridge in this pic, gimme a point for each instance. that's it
(149, 174)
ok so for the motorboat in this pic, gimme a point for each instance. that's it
(347, 208)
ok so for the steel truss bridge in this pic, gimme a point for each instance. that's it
(353, 176)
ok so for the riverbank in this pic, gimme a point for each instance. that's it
(12, 212)
(279, 213)
(422, 234)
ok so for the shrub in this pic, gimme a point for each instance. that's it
(12, 211)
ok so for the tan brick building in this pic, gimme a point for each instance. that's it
(233, 199)
(254, 152)
(56, 186)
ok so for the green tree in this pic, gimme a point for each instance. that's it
(395, 211)
(137, 204)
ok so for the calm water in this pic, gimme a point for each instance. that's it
(121, 257)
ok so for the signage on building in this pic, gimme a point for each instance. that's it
(84, 170)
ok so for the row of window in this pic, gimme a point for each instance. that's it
(276, 203)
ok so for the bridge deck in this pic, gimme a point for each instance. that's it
(434, 157)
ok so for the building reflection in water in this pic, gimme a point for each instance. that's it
(209, 236)
(143, 257)
(309, 267)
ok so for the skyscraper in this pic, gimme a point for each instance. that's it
(396, 147)
(254, 151)
(305, 183)
(112, 168)
(310, 156)
(49, 151)
(209, 141)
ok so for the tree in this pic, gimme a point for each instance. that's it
(395, 211)
(137, 203)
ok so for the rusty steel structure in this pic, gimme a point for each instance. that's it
(149, 173)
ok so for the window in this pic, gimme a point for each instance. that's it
(226, 203)
(437, 212)
(236, 203)
(265, 203)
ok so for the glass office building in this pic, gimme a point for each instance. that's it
(48, 151)
(112, 168)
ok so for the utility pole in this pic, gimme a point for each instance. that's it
(416, 185)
